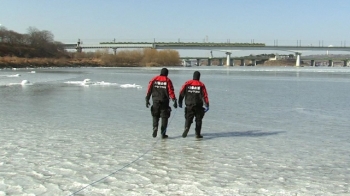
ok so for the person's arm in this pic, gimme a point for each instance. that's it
(172, 93)
(205, 96)
(149, 92)
(170, 88)
(182, 94)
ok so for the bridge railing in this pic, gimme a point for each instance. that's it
(186, 43)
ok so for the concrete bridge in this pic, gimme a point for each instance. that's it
(254, 60)
(224, 47)
(186, 61)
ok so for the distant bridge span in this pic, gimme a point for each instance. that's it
(225, 47)
(206, 46)
(258, 59)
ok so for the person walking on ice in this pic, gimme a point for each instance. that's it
(196, 96)
(161, 89)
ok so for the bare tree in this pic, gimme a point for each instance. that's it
(43, 42)
(10, 37)
(37, 37)
(3, 31)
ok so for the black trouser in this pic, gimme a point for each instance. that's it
(160, 109)
(190, 113)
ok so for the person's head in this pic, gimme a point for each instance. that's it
(196, 75)
(164, 72)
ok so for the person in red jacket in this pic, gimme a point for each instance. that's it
(195, 95)
(161, 89)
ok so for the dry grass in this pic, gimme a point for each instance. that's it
(46, 62)
(146, 57)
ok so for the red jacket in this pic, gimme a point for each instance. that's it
(161, 88)
(195, 93)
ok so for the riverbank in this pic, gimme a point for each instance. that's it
(16, 62)
(284, 62)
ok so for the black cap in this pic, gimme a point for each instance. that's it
(164, 72)
(196, 75)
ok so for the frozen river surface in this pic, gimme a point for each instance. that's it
(269, 131)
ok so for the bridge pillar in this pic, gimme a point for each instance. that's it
(78, 47)
(253, 62)
(220, 62)
(346, 63)
(115, 51)
(297, 62)
(198, 62)
(313, 63)
(242, 62)
(209, 62)
(228, 59)
(330, 63)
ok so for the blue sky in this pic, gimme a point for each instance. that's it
(264, 21)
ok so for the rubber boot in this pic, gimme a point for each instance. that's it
(163, 127)
(155, 130)
(155, 126)
(198, 135)
(163, 130)
(184, 134)
(198, 132)
(164, 135)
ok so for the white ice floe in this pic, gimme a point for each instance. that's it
(23, 83)
(85, 82)
(11, 76)
(103, 83)
(130, 86)
(88, 82)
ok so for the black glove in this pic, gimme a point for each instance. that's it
(175, 103)
(147, 104)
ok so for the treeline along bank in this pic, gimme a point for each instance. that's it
(37, 48)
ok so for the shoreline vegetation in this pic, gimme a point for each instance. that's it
(38, 48)
(133, 58)
(107, 61)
